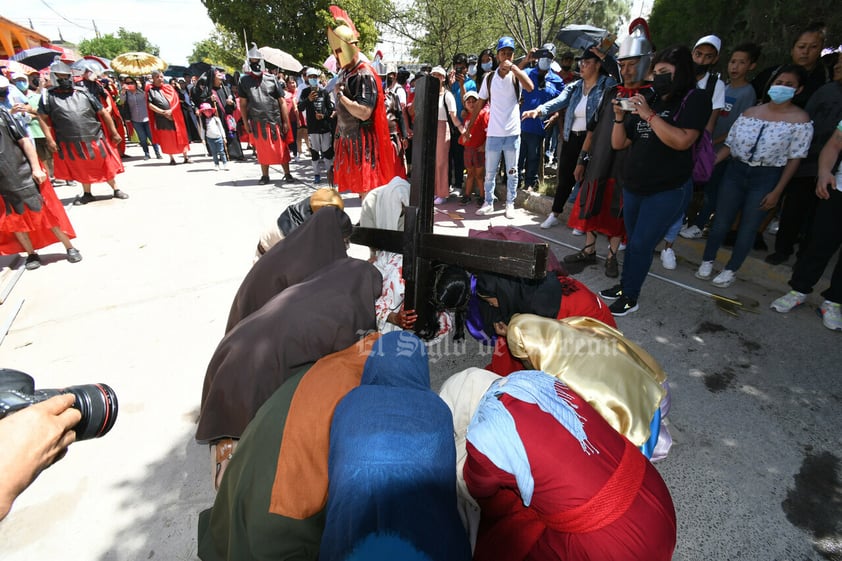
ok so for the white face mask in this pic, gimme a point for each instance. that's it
(314, 82)
(472, 70)
(486, 66)
(544, 63)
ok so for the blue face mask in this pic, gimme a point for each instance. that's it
(781, 94)
(486, 66)
(314, 82)
(544, 64)
(21, 85)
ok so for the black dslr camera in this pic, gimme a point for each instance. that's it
(96, 402)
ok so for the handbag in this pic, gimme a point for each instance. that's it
(702, 151)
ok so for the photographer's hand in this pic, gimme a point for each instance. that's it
(33, 439)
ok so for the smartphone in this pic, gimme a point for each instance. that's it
(627, 104)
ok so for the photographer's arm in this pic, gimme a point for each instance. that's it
(32, 440)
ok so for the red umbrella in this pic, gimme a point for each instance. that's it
(15, 66)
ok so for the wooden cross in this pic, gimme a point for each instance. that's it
(419, 245)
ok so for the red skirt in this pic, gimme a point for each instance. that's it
(37, 224)
(93, 162)
(270, 144)
(603, 221)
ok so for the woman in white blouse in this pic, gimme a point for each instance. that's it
(765, 144)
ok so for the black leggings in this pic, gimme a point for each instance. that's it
(570, 149)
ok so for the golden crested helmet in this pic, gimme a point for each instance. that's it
(343, 44)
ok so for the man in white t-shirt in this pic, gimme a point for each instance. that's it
(503, 87)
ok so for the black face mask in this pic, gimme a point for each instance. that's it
(700, 69)
(4, 93)
(64, 83)
(255, 67)
(662, 84)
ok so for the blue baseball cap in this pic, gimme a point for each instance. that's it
(505, 43)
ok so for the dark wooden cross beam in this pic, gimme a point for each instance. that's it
(419, 245)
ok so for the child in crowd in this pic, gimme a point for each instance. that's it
(474, 150)
(739, 96)
(214, 135)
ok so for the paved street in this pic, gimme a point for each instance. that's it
(756, 399)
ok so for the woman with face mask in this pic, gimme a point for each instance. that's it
(765, 145)
(659, 130)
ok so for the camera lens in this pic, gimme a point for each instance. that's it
(98, 405)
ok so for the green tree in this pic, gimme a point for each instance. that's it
(223, 48)
(772, 25)
(109, 45)
(298, 26)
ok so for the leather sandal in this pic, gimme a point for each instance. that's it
(583, 256)
(612, 268)
(221, 453)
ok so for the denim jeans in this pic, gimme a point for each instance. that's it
(144, 134)
(741, 190)
(647, 219)
(217, 150)
(530, 157)
(672, 231)
(509, 146)
(711, 195)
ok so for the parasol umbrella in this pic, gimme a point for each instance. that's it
(37, 57)
(281, 59)
(585, 36)
(14, 66)
(137, 63)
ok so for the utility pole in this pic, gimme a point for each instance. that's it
(96, 31)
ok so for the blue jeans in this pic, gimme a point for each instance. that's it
(711, 194)
(509, 146)
(647, 219)
(530, 157)
(144, 137)
(217, 150)
(672, 231)
(741, 190)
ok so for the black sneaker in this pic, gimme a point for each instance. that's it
(120, 194)
(612, 293)
(33, 261)
(465, 200)
(289, 178)
(84, 199)
(73, 255)
(623, 306)
(264, 180)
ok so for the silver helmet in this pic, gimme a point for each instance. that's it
(638, 45)
(59, 67)
(252, 54)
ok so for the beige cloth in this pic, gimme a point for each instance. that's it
(462, 392)
(615, 376)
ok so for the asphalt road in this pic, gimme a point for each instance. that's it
(754, 472)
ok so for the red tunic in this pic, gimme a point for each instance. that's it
(37, 224)
(606, 506)
(171, 141)
(367, 160)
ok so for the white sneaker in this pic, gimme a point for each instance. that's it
(216, 168)
(772, 229)
(831, 315)
(577, 232)
(705, 270)
(510, 211)
(621, 247)
(691, 232)
(788, 301)
(439, 201)
(725, 279)
(668, 258)
(486, 208)
(549, 222)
